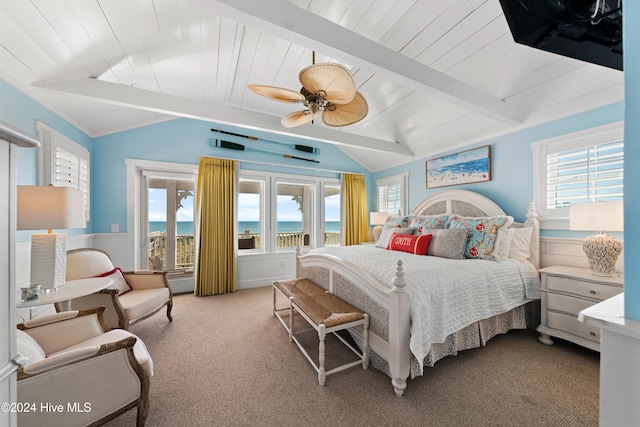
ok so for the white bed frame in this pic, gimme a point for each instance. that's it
(396, 299)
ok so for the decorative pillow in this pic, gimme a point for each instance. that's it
(387, 232)
(503, 243)
(119, 282)
(431, 222)
(483, 232)
(398, 221)
(447, 243)
(29, 348)
(520, 248)
(410, 243)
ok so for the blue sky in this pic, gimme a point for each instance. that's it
(248, 207)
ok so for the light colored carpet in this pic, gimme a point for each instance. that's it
(226, 361)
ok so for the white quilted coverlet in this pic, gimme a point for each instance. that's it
(446, 295)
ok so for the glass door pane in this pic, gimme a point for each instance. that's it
(170, 224)
(331, 215)
(250, 214)
(294, 215)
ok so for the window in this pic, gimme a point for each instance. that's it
(160, 209)
(278, 211)
(251, 225)
(63, 163)
(585, 166)
(331, 197)
(392, 194)
(170, 231)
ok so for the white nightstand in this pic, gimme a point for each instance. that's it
(565, 292)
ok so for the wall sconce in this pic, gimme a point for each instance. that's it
(47, 208)
(601, 249)
(377, 219)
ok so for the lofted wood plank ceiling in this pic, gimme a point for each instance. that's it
(437, 75)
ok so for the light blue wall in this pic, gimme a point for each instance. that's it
(185, 141)
(511, 185)
(22, 112)
(631, 35)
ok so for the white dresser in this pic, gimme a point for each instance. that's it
(565, 292)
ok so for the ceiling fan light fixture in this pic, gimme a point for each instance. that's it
(328, 89)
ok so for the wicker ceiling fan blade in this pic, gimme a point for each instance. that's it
(335, 80)
(299, 118)
(277, 93)
(346, 114)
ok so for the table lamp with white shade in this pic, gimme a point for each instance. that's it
(377, 219)
(48, 208)
(601, 249)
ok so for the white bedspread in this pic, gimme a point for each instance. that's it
(446, 295)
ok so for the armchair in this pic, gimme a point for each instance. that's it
(76, 371)
(135, 296)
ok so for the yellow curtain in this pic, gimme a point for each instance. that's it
(215, 270)
(355, 227)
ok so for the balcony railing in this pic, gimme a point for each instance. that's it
(185, 246)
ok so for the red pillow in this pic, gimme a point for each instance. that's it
(409, 243)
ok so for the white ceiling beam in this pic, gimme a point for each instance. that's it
(127, 96)
(290, 22)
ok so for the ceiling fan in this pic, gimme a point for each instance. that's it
(328, 89)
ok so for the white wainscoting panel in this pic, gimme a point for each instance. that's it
(259, 270)
(564, 251)
(117, 246)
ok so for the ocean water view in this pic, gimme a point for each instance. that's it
(186, 227)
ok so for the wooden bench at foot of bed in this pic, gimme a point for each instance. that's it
(326, 313)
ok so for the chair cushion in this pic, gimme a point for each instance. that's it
(139, 349)
(140, 302)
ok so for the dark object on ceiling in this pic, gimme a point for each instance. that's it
(588, 30)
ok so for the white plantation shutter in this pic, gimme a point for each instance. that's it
(580, 167)
(392, 194)
(72, 171)
(64, 163)
(590, 174)
(389, 198)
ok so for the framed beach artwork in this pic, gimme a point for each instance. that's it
(465, 167)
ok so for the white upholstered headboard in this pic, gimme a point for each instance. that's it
(468, 203)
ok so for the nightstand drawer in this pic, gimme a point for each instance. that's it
(573, 326)
(567, 304)
(582, 288)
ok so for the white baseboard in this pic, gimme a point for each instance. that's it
(182, 285)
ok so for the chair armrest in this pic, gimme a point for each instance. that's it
(60, 359)
(146, 279)
(61, 330)
(110, 381)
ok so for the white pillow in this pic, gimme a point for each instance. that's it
(503, 243)
(520, 248)
(28, 347)
(387, 232)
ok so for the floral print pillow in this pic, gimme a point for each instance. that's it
(483, 232)
(430, 222)
(398, 221)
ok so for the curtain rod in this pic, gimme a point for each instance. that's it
(277, 165)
